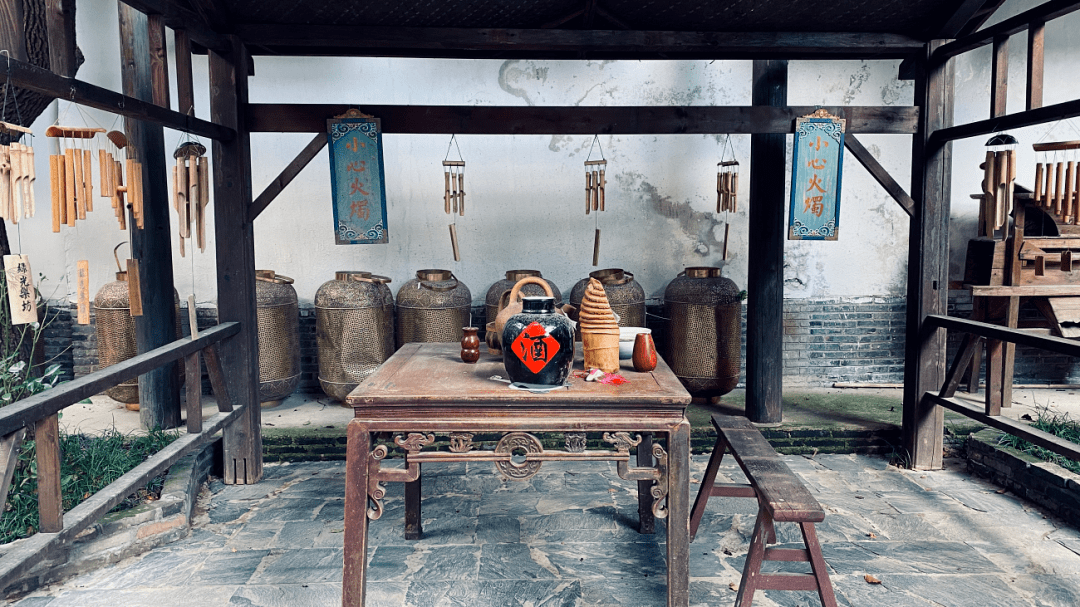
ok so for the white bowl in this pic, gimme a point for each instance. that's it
(627, 335)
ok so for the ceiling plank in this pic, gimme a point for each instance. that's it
(960, 18)
(577, 120)
(424, 41)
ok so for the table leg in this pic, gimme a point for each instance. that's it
(357, 473)
(646, 520)
(678, 515)
(413, 526)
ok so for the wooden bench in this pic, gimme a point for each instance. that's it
(781, 498)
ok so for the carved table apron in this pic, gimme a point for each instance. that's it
(424, 391)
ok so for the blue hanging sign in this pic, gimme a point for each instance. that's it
(816, 166)
(357, 180)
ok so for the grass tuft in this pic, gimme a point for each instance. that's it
(1057, 424)
(87, 464)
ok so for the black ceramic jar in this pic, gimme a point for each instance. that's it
(538, 344)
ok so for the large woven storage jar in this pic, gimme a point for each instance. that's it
(433, 307)
(278, 318)
(625, 295)
(354, 327)
(495, 291)
(704, 331)
(115, 329)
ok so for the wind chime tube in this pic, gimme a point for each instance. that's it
(121, 189)
(69, 176)
(601, 187)
(54, 192)
(88, 180)
(1001, 164)
(727, 229)
(1010, 184)
(103, 175)
(461, 191)
(596, 248)
(988, 203)
(1048, 196)
(595, 190)
(5, 180)
(32, 181)
(204, 199)
(1070, 207)
(454, 242)
(588, 192)
(719, 190)
(734, 192)
(1059, 191)
(1038, 194)
(446, 195)
(61, 187)
(192, 192)
(80, 184)
(1076, 195)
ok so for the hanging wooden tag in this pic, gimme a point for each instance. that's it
(596, 248)
(20, 288)
(82, 292)
(134, 288)
(193, 317)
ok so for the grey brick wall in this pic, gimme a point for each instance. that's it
(858, 340)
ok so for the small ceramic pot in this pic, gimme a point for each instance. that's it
(644, 353)
(470, 345)
(538, 344)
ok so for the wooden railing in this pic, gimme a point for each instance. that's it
(57, 529)
(975, 333)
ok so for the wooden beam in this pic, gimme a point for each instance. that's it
(466, 42)
(999, 77)
(879, 173)
(159, 60)
(27, 553)
(1045, 440)
(35, 79)
(185, 82)
(1035, 52)
(978, 19)
(1013, 25)
(959, 18)
(32, 408)
(178, 17)
(1025, 290)
(213, 14)
(60, 22)
(1040, 115)
(236, 262)
(964, 355)
(578, 120)
(1060, 345)
(765, 285)
(928, 264)
(159, 388)
(287, 175)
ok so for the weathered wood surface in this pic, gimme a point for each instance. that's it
(38, 406)
(159, 60)
(1054, 290)
(1017, 336)
(768, 207)
(236, 262)
(928, 263)
(999, 76)
(432, 374)
(26, 554)
(60, 22)
(1018, 428)
(1035, 54)
(45, 82)
(878, 172)
(1013, 25)
(49, 494)
(193, 385)
(577, 120)
(159, 388)
(304, 39)
(12, 29)
(9, 457)
(185, 83)
(176, 16)
(286, 176)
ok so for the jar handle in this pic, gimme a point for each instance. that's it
(515, 293)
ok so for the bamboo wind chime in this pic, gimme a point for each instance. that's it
(595, 184)
(727, 193)
(454, 197)
(191, 192)
(999, 177)
(114, 183)
(1057, 183)
(17, 175)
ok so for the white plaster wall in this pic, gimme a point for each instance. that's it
(525, 193)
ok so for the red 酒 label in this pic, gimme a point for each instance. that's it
(534, 347)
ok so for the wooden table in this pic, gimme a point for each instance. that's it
(425, 390)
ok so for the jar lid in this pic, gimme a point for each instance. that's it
(351, 275)
(537, 304)
(700, 271)
(516, 275)
(434, 275)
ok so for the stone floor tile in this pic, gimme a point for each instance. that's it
(291, 595)
(228, 568)
(502, 593)
(300, 566)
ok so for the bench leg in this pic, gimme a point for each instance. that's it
(645, 459)
(413, 527)
(707, 482)
(754, 558)
(817, 564)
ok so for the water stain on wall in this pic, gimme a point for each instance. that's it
(697, 227)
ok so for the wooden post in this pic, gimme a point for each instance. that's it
(159, 390)
(928, 263)
(12, 35)
(185, 86)
(60, 21)
(159, 59)
(999, 76)
(50, 501)
(236, 262)
(1035, 65)
(765, 285)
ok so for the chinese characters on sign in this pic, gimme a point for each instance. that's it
(817, 165)
(356, 179)
(20, 288)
